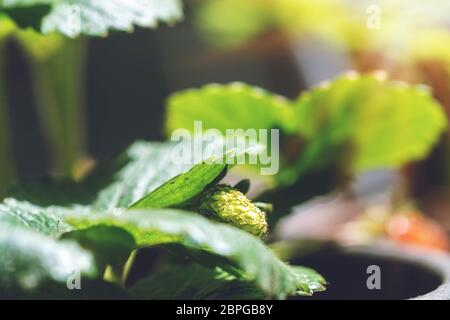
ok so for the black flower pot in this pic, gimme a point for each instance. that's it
(404, 272)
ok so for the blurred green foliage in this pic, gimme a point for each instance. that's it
(404, 30)
(223, 107)
(379, 123)
(57, 66)
(370, 122)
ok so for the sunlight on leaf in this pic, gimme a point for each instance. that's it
(95, 18)
(30, 260)
(231, 106)
(375, 122)
(275, 278)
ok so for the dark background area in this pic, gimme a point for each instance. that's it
(128, 78)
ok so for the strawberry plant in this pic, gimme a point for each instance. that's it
(144, 226)
(329, 134)
(138, 201)
(206, 235)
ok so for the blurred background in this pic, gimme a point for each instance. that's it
(126, 79)
(65, 103)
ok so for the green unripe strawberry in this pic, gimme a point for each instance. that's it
(232, 206)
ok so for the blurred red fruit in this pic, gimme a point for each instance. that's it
(412, 228)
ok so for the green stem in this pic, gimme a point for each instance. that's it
(7, 173)
(58, 82)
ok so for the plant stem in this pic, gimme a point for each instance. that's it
(58, 83)
(7, 173)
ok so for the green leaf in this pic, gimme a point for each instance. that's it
(368, 122)
(144, 167)
(232, 106)
(362, 122)
(6, 26)
(111, 246)
(65, 207)
(182, 188)
(92, 17)
(259, 264)
(194, 282)
(145, 175)
(30, 261)
(309, 280)
(47, 221)
(141, 169)
(150, 173)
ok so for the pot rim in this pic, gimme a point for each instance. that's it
(433, 260)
